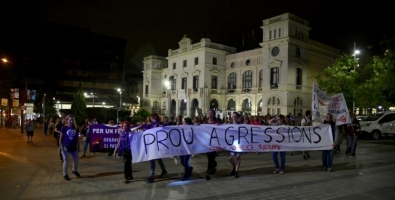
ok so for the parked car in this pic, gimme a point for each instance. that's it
(391, 130)
(375, 126)
(361, 117)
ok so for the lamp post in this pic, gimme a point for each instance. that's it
(120, 103)
(44, 118)
(167, 87)
(5, 60)
(93, 100)
(353, 101)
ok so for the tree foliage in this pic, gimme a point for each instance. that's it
(79, 105)
(369, 83)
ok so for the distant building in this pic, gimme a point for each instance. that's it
(273, 79)
(57, 57)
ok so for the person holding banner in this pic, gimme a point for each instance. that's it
(125, 150)
(233, 154)
(155, 123)
(306, 121)
(327, 155)
(211, 164)
(185, 158)
(278, 121)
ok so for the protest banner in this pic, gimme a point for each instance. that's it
(171, 141)
(323, 104)
(103, 137)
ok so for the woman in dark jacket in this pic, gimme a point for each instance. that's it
(125, 150)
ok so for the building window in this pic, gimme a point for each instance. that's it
(214, 82)
(260, 79)
(184, 63)
(274, 76)
(247, 79)
(214, 61)
(184, 83)
(299, 78)
(232, 81)
(273, 106)
(248, 62)
(275, 33)
(279, 32)
(270, 35)
(195, 83)
(174, 65)
(231, 105)
(156, 106)
(298, 105)
(246, 105)
(232, 65)
(146, 89)
(196, 60)
(172, 81)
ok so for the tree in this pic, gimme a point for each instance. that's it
(79, 105)
(340, 78)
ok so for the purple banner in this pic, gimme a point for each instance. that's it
(103, 137)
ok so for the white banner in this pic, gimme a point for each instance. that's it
(323, 104)
(163, 142)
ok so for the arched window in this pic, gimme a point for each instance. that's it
(214, 104)
(232, 80)
(298, 106)
(247, 79)
(273, 105)
(155, 106)
(231, 105)
(260, 107)
(246, 106)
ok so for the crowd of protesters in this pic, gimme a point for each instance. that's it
(155, 120)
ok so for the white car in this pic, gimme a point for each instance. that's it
(375, 126)
(391, 130)
(360, 117)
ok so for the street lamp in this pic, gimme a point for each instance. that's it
(353, 101)
(44, 118)
(5, 60)
(120, 103)
(167, 87)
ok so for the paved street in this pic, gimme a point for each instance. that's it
(33, 171)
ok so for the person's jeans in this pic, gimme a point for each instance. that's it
(351, 142)
(185, 162)
(211, 164)
(161, 165)
(327, 158)
(66, 159)
(85, 146)
(275, 159)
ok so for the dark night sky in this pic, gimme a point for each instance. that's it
(153, 26)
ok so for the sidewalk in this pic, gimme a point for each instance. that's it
(33, 171)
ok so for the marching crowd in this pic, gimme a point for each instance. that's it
(67, 134)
